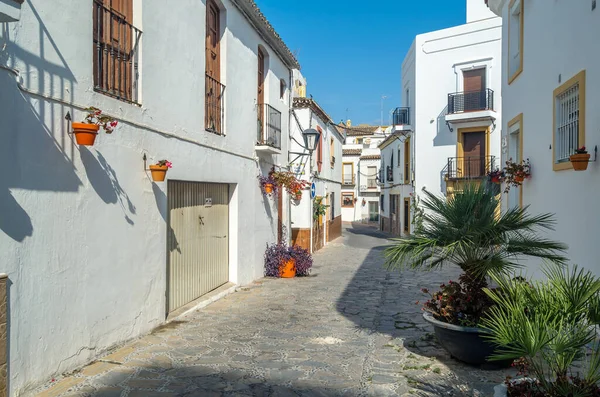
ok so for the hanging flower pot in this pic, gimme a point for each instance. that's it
(298, 195)
(496, 176)
(159, 170)
(269, 188)
(519, 178)
(86, 132)
(288, 269)
(580, 159)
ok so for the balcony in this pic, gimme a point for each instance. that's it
(10, 10)
(348, 180)
(371, 186)
(401, 119)
(268, 139)
(475, 167)
(471, 106)
(213, 106)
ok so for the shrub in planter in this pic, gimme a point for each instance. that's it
(463, 230)
(580, 159)
(550, 326)
(159, 170)
(268, 185)
(277, 255)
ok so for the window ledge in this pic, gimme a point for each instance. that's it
(10, 10)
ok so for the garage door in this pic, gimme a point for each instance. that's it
(197, 240)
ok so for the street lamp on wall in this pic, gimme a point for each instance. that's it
(311, 138)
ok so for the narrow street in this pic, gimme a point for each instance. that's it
(351, 329)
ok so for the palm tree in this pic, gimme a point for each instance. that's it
(466, 230)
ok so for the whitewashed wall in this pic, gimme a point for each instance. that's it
(561, 51)
(82, 231)
(438, 58)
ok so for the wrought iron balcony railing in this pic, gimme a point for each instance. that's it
(269, 126)
(348, 180)
(470, 101)
(401, 116)
(214, 106)
(116, 54)
(470, 167)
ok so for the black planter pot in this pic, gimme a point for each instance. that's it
(465, 344)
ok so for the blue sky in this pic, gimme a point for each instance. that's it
(351, 51)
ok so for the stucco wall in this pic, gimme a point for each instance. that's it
(83, 230)
(439, 58)
(571, 196)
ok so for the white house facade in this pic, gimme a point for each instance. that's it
(95, 251)
(361, 172)
(323, 168)
(396, 177)
(451, 104)
(550, 94)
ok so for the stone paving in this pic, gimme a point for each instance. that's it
(350, 329)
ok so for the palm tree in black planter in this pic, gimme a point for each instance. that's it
(467, 230)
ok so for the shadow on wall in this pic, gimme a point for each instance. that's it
(103, 179)
(162, 204)
(37, 150)
(443, 136)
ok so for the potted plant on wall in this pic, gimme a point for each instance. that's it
(86, 131)
(580, 159)
(268, 185)
(516, 173)
(496, 176)
(159, 170)
(286, 261)
(463, 230)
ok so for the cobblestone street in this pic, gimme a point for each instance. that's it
(350, 329)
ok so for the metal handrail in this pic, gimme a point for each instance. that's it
(268, 126)
(470, 167)
(401, 116)
(214, 109)
(470, 101)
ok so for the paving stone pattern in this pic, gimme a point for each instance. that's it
(351, 329)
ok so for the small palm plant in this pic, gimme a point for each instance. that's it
(550, 326)
(466, 230)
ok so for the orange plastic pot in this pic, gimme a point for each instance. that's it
(288, 269)
(580, 161)
(495, 179)
(85, 134)
(159, 172)
(268, 188)
(519, 178)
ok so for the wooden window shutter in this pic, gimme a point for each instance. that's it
(320, 150)
(474, 80)
(213, 45)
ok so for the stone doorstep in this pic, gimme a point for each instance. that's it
(61, 387)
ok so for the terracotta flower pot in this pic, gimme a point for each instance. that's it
(298, 196)
(519, 178)
(268, 188)
(85, 134)
(288, 269)
(580, 161)
(159, 172)
(496, 179)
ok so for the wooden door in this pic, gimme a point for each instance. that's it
(474, 154)
(261, 94)
(474, 85)
(213, 49)
(279, 215)
(406, 216)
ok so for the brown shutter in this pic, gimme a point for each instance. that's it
(320, 150)
(260, 98)
(213, 47)
(474, 80)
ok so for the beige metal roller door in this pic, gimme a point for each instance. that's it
(197, 240)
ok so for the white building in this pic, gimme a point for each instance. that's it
(360, 173)
(96, 253)
(550, 94)
(396, 177)
(323, 168)
(451, 82)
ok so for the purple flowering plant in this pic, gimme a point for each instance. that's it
(279, 253)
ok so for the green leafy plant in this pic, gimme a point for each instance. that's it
(95, 116)
(516, 173)
(465, 230)
(550, 326)
(417, 212)
(319, 207)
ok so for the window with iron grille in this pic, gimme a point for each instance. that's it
(569, 111)
(372, 177)
(116, 50)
